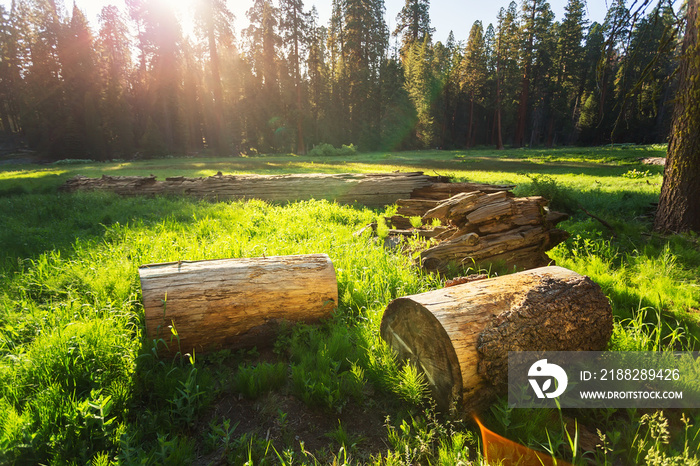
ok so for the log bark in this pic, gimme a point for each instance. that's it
(460, 336)
(234, 303)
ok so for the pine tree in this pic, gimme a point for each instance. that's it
(363, 37)
(506, 69)
(421, 88)
(114, 53)
(616, 29)
(537, 18)
(586, 114)
(44, 113)
(214, 25)
(318, 77)
(263, 47)
(196, 111)
(82, 88)
(474, 73)
(451, 96)
(569, 67)
(398, 113)
(158, 85)
(543, 78)
(10, 77)
(413, 24)
(295, 32)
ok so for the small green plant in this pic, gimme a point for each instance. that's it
(255, 381)
(412, 385)
(417, 441)
(653, 439)
(416, 221)
(634, 174)
(220, 435)
(543, 185)
(188, 399)
(344, 439)
(382, 228)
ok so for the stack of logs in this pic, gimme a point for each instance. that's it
(485, 226)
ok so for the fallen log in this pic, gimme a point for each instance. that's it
(459, 337)
(234, 303)
(372, 190)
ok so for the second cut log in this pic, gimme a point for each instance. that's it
(460, 336)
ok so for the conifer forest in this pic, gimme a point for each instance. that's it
(137, 84)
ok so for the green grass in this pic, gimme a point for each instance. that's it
(80, 382)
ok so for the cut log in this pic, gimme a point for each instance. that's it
(459, 337)
(234, 303)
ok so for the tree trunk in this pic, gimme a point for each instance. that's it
(470, 129)
(460, 336)
(499, 134)
(234, 303)
(679, 204)
(522, 108)
(525, 84)
(301, 147)
(219, 131)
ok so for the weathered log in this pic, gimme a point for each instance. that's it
(441, 191)
(459, 337)
(522, 248)
(373, 190)
(235, 303)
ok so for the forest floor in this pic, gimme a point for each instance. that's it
(80, 382)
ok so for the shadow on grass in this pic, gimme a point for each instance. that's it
(35, 223)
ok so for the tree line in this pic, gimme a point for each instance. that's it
(138, 85)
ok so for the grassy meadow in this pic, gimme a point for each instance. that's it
(81, 384)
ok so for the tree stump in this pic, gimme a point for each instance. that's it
(234, 303)
(460, 336)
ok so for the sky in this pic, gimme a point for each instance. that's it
(445, 15)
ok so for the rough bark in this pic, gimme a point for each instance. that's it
(679, 204)
(460, 336)
(234, 303)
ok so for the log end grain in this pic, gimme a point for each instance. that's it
(460, 336)
(419, 339)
